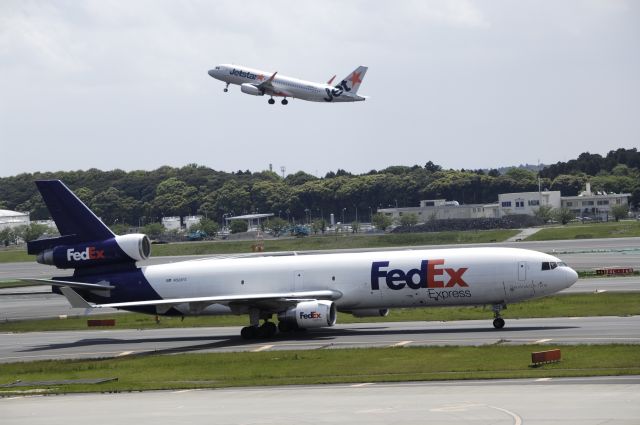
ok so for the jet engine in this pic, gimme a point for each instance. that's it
(371, 312)
(251, 89)
(120, 249)
(309, 314)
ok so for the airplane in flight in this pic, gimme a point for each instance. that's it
(259, 83)
(301, 291)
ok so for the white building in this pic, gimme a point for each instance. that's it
(190, 220)
(527, 202)
(13, 219)
(171, 223)
(594, 205)
(440, 209)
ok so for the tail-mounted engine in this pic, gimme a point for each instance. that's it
(310, 314)
(119, 249)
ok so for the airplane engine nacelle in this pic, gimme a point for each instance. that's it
(120, 249)
(310, 314)
(251, 89)
(371, 312)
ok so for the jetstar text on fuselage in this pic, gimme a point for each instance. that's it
(243, 74)
(430, 274)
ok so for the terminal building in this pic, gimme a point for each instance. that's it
(596, 206)
(13, 219)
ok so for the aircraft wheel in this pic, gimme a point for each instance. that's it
(269, 329)
(285, 101)
(249, 332)
(284, 327)
(225, 90)
(271, 101)
(498, 323)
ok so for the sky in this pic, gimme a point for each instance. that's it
(465, 84)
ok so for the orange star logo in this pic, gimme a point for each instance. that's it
(260, 77)
(355, 79)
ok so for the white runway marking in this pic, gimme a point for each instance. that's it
(401, 343)
(124, 353)
(364, 384)
(517, 420)
(263, 348)
(541, 341)
(543, 379)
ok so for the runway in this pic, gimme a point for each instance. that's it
(111, 343)
(584, 401)
(31, 303)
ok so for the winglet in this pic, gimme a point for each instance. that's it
(272, 77)
(75, 299)
(331, 80)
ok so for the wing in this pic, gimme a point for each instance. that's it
(268, 88)
(272, 300)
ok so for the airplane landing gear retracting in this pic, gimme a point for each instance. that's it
(498, 321)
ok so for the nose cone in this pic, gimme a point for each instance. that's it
(571, 276)
(212, 73)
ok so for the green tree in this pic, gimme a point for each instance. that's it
(544, 213)
(238, 226)
(318, 225)
(153, 230)
(207, 226)
(355, 227)
(562, 215)
(620, 212)
(175, 197)
(31, 231)
(408, 220)
(119, 228)
(276, 224)
(381, 221)
(8, 236)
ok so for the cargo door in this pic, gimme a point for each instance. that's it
(521, 288)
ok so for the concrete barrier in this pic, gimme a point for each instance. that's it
(543, 357)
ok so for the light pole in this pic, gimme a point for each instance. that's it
(343, 210)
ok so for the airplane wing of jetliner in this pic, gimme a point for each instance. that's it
(284, 299)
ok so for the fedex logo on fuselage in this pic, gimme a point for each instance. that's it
(431, 274)
(90, 253)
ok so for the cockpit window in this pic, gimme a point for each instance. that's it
(550, 265)
(545, 265)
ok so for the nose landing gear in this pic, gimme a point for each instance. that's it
(226, 89)
(498, 321)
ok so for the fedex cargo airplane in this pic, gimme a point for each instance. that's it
(301, 291)
(258, 83)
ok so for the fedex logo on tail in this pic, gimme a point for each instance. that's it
(90, 253)
(430, 274)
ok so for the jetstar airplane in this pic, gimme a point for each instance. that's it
(302, 291)
(258, 83)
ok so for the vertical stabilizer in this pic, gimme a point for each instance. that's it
(71, 215)
(351, 83)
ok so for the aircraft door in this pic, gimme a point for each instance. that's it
(298, 280)
(522, 271)
(521, 288)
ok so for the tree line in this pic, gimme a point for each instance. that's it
(142, 197)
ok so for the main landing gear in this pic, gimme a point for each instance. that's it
(226, 89)
(498, 321)
(272, 101)
(255, 330)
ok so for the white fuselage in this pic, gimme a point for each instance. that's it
(284, 86)
(368, 280)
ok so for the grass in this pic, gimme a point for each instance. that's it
(153, 372)
(621, 229)
(341, 241)
(601, 304)
(15, 284)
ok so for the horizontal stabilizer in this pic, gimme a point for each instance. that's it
(74, 298)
